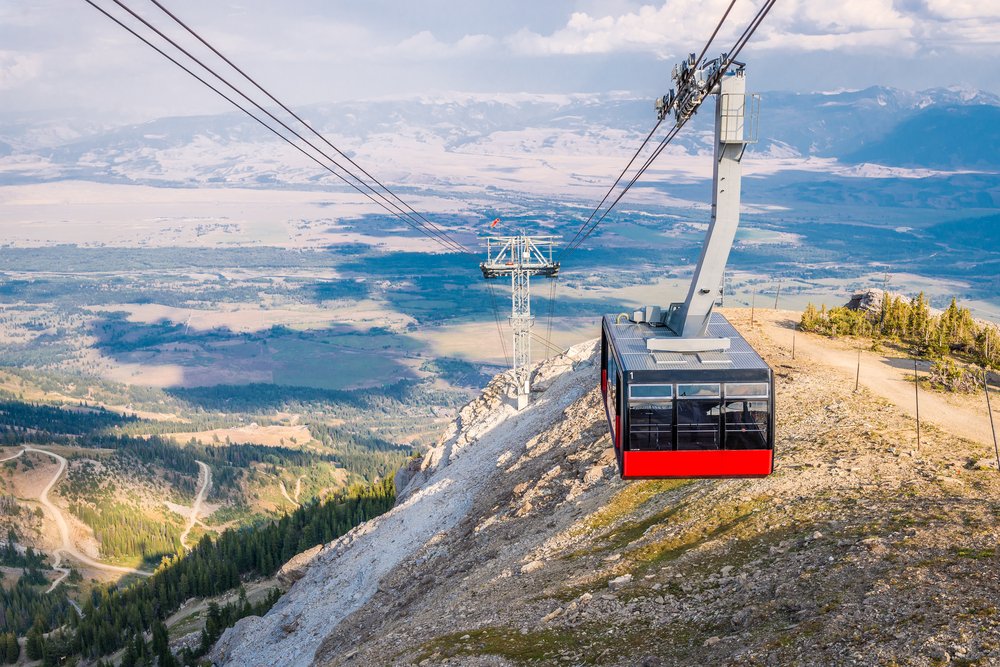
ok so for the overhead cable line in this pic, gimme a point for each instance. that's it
(615, 184)
(645, 141)
(750, 30)
(496, 316)
(711, 38)
(294, 115)
(442, 239)
(398, 212)
(552, 308)
(588, 227)
(729, 58)
(420, 224)
(546, 343)
(628, 186)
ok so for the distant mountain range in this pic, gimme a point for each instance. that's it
(939, 129)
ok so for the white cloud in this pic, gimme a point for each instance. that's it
(877, 26)
(963, 9)
(664, 31)
(425, 45)
(58, 55)
(17, 68)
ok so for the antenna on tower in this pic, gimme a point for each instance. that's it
(520, 257)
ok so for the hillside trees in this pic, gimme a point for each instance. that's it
(911, 323)
(112, 617)
(219, 618)
(24, 604)
(125, 530)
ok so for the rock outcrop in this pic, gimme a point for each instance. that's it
(336, 580)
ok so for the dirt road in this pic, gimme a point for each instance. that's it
(67, 544)
(298, 491)
(56, 566)
(58, 556)
(284, 492)
(205, 484)
(10, 458)
(889, 377)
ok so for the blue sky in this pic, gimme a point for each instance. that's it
(63, 57)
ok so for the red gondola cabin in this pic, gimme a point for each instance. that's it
(708, 414)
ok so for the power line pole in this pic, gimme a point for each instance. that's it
(916, 398)
(857, 376)
(989, 409)
(520, 257)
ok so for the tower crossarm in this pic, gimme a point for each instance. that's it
(528, 254)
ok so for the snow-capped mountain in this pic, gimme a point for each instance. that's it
(476, 138)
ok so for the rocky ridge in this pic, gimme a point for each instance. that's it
(515, 542)
(336, 580)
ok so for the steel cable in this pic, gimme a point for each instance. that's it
(447, 243)
(294, 115)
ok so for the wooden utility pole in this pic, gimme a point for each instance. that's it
(753, 303)
(989, 409)
(793, 340)
(776, 293)
(857, 375)
(916, 395)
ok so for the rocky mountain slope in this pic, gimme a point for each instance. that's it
(515, 542)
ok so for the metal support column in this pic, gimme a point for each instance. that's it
(520, 256)
(732, 134)
(736, 114)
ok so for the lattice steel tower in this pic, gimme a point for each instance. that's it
(520, 257)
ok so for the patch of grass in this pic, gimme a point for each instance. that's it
(980, 609)
(739, 552)
(975, 554)
(628, 501)
(190, 623)
(641, 560)
(965, 662)
(628, 533)
(673, 547)
(590, 644)
(509, 643)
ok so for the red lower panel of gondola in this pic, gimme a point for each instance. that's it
(710, 463)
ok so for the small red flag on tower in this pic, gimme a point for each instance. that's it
(496, 221)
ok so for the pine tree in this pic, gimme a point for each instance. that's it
(920, 316)
(213, 621)
(810, 318)
(161, 646)
(12, 650)
(131, 655)
(35, 642)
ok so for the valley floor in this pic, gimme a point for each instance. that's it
(859, 549)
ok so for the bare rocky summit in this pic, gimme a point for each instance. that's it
(515, 542)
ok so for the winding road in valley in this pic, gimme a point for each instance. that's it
(10, 458)
(205, 484)
(298, 491)
(58, 554)
(68, 547)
